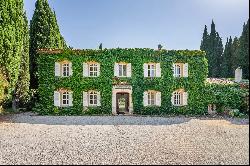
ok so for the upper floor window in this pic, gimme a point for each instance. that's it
(91, 69)
(122, 69)
(180, 69)
(177, 70)
(179, 98)
(152, 98)
(63, 69)
(63, 98)
(152, 70)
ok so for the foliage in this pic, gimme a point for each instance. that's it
(227, 69)
(22, 88)
(44, 33)
(3, 86)
(212, 45)
(13, 47)
(107, 57)
(243, 51)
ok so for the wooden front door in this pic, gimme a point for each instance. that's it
(122, 103)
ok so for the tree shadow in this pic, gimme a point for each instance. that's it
(94, 120)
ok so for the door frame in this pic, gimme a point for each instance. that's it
(122, 89)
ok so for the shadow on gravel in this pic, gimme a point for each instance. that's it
(94, 120)
(29, 118)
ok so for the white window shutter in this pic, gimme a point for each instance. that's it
(145, 98)
(158, 98)
(57, 99)
(85, 99)
(70, 99)
(98, 99)
(98, 69)
(57, 69)
(85, 70)
(185, 98)
(116, 69)
(145, 69)
(185, 70)
(70, 69)
(129, 70)
(174, 70)
(172, 99)
(158, 70)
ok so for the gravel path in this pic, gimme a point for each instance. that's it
(26, 139)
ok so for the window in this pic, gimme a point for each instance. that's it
(177, 98)
(65, 99)
(177, 70)
(151, 70)
(93, 70)
(93, 98)
(65, 70)
(151, 98)
(180, 70)
(122, 70)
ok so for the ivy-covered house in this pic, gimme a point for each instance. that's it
(115, 81)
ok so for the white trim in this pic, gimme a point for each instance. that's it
(57, 99)
(57, 69)
(185, 70)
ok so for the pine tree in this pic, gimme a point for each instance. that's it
(243, 50)
(44, 33)
(11, 42)
(212, 45)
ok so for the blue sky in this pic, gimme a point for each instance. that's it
(176, 24)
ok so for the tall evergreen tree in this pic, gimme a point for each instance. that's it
(235, 57)
(205, 38)
(227, 60)
(212, 44)
(44, 33)
(243, 50)
(12, 34)
(23, 82)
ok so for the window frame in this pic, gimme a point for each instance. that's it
(65, 66)
(151, 68)
(93, 66)
(151, 98)
(178, 70)
(94, 98)
(66, 99)
(124, 70)
(178, 98)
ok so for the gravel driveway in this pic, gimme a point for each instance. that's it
(26, 139)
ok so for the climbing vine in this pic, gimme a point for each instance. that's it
(194, 84)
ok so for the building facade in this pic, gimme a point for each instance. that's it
(120, 81)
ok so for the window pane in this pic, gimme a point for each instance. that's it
(124, 70)
(120, 70)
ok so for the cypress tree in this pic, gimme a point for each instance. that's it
(23, 82)
(235, 57)
(227, 60)
(243, 51)
(205, 38)
(44, 33)
(212, 44)
(11, 42)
